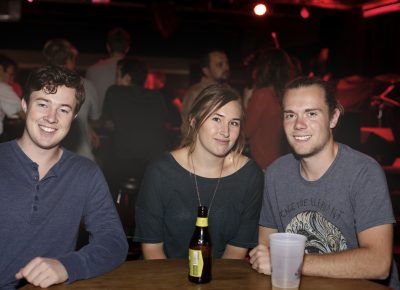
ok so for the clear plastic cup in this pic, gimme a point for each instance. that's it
(287, 252)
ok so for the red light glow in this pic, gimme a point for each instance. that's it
(260, 9)
(304, 13)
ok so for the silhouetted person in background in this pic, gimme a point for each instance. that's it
(103, 73)
(215, 68)
(10, 103)
(137, 118)
(263, 127)
(81, 138)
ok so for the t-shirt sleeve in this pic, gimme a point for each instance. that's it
(247, 234)
(371, 199)
(267, 218)
(148, 209)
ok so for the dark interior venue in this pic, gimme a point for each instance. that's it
(353, 44)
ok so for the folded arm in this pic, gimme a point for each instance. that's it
(233, 252)
(372, 260)
(153, 251)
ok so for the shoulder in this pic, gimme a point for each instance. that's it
(286, 163)
(197, 88)
(246, 167)
(164, 164)
(78, 165)
(115, 90)
(5, 148)
(8, 92)
(88, 84)
(265, 91)
(354, 160)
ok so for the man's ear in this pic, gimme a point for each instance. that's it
(335, 118)
(24, 106)
(206, 71)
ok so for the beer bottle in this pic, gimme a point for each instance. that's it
(200, 250)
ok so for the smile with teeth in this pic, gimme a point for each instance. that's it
(47, 129)
(302, 138)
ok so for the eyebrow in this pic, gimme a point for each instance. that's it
(306, 110)
(236, 119)
(49, 101)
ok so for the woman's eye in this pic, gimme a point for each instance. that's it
(65, 111)
(216, 119)
(235, 123)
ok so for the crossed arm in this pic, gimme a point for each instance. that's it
(371, 260)
(155, 251)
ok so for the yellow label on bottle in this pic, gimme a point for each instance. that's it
(195, 263)
(202, 222)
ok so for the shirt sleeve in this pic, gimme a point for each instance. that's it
(267, 218)
(108, 245)
(10, 103)
(371, 199)
(149, 209)
(247, 234)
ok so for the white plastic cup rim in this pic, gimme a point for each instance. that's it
(288, 238)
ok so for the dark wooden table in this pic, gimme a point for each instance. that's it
(227, 274)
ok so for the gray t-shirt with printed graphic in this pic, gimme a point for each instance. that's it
(350, 197)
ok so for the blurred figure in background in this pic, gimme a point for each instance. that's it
(102, 74)
(10, 103)
(137, 118)
(319, 65)
(9, 77)
(81, 138)
(263, 127)
(215, 68)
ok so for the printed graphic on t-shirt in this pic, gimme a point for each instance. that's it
(322, 235)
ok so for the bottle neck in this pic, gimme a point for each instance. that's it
(202, 222)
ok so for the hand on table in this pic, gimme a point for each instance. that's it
(260, 259)
(43, 272)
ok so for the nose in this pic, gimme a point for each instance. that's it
(224, 130)
(226, 66)
(300, 123)
(51, 116)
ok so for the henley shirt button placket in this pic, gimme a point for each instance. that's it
(36, 197)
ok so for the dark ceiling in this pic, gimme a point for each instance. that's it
(185, 28)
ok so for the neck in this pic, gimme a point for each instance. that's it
(208, 79)
(312, 168)
(45, 158)
(206, 166)
(117, 55)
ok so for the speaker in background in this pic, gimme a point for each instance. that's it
(348, 130)
(10, 10)
(379, 143)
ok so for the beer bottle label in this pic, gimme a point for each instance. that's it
(202, 222)
(195, 263)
